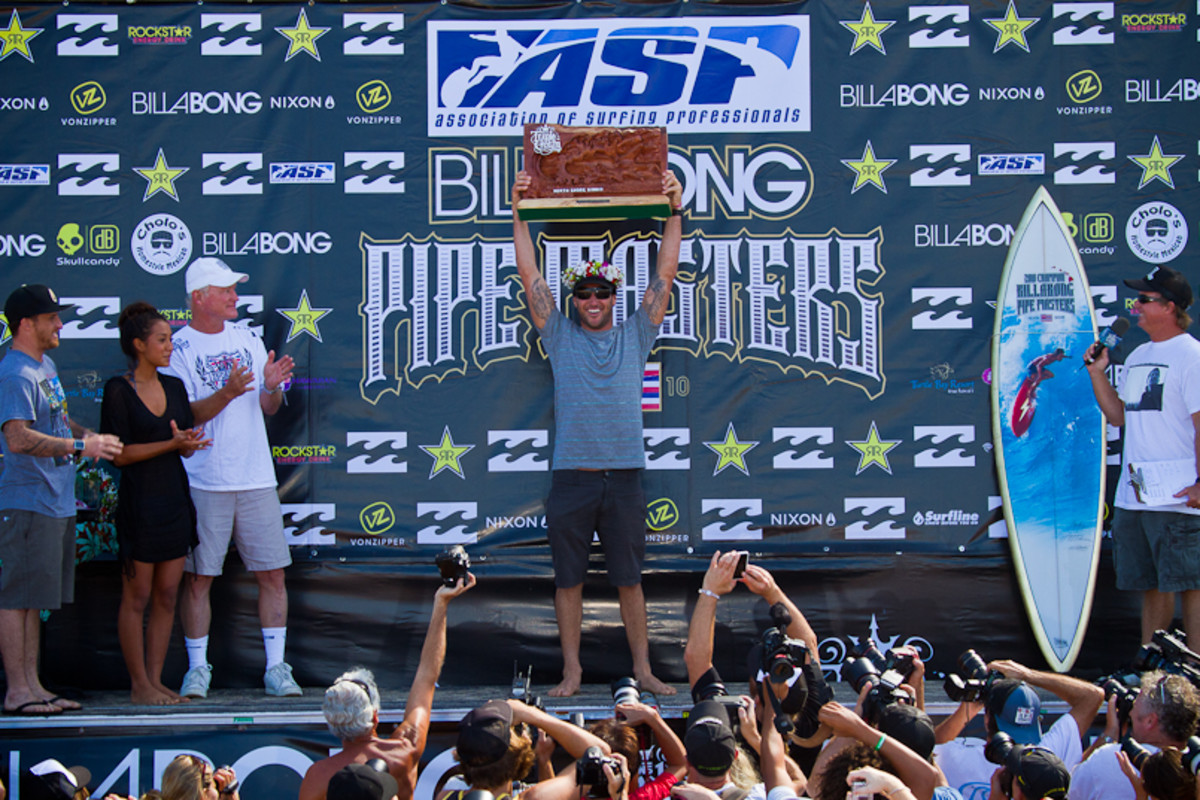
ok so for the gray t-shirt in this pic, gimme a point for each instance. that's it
(31, 391)
(598, 391)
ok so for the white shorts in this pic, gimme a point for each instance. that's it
(253, 520)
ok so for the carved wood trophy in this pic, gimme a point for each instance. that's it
(594, 173)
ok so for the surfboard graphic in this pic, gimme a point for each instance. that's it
(1047, 429)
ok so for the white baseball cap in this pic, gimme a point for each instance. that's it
(212, 272)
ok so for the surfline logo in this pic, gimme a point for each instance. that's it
(490, 79)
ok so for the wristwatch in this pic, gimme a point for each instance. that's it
(77, 446)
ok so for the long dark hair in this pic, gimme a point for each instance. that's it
(135, 322)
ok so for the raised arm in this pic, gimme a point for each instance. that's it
(537, 294)
(1106, 396)
(673, 752)
(718, 580)
(574, 740)
(658, 294)
(762, 583)
(1085, 699)
(917, 773)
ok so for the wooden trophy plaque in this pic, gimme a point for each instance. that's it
(594, 173)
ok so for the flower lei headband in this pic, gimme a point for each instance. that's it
(591, 269)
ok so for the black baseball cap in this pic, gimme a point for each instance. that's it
(361, 782)
(50, 780)
(29, 300)
(1168, 282)
(709, 740)
(483, 734)
(1042, 774)
(910, 726)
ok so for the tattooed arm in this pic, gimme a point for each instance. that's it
(22, 438)
(537, 294)
(658, 294)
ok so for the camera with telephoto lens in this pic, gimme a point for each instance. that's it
(781, 655)
(1004, 752)
(589, 771)
(453, 564)
(1135, 752)
(1118, 685)
(973, 681)
(884, 674)
(625, 690)
(1168, 651)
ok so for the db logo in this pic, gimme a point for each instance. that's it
(661, 514)
(376, 518)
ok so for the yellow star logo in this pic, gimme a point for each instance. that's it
(160, 177)
(304, 318)
(1155, 166)
(874, 451)
(446, 454)
(1012, 28)
(302, 38)
(867, 31)
(15, 39)
(4, 337)
(868, 169)
(731, 452)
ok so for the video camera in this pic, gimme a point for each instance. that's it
(783, 660)
(522, 687)
(453, 564)
(973, 681)
(1168, 651)
(589, 771)
(883, 673)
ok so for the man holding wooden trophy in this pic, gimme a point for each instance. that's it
(599, 454)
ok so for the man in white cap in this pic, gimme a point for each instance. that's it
(37, 493)
(232, 381)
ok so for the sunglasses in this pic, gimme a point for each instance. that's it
(1146, 299)
(601, 292)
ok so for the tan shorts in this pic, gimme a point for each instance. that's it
(254, 522)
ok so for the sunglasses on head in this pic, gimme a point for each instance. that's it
(584, 292)
(1145, 299)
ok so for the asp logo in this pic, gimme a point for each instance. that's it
(297, 172)
(381, 452)
(302, 523)
(875, 518)
(24, 174)
(444, 531)
(519, 450)
(804, 448)
(1012, 164)
(731, 519)
(944, 308)
(747, 74)
(667, 448)
(96, 27)
(933, 457)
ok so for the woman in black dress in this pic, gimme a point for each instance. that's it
(155, 519)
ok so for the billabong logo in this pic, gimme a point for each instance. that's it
(382, 29)
(22, 245)
(946, 174)
(378, 174)
(933, 457)
(467, 512)
(99, 45)
(667, 448)
(937, 318)
(947, 20)
(295, 517)
(878, 517)
(99, 185)
(797, 456)
(489, 80)
(519, 451)
(733, 519)
(1077, 153)
(1079, 28)
(93, 318)
(237, 26)
(388, 443)
(247, 167)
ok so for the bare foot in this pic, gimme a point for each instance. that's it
(652, 684)
(168, 691)
(62, 703)
(33, 708)
(151, 697)
(569, 686)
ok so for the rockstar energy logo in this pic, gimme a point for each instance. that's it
(377, 518)
(661, 514)
(373, 96)
(1084, 86)
(88, 98)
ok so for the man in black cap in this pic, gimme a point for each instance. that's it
(1156, 547)
(1036, 774)
(50, 780)
(37, 493)
(369, 781)
(711, 747)
(599, 452)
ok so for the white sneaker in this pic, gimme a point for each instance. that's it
(279, 682)
(196, 681)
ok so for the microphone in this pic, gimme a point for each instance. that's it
(1110, 337)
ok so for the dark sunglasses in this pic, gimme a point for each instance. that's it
(1145, 299)
(601, 292)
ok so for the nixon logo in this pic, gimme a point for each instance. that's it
(228, 163)
(380, 447)
(1082, 152)
(949, 174)
(945, 314)
(878, 517)
(802, 457)
(1085, 23)
(938, 434)
(377, 518)
(229, 35)
(661, 514)
(295, 517)
(667, 448)
(945, 20)
(88, 98)
(81, 24)
(733, 518)
(457, 534)
(534, 443)
(383, 30)
(373, 96)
